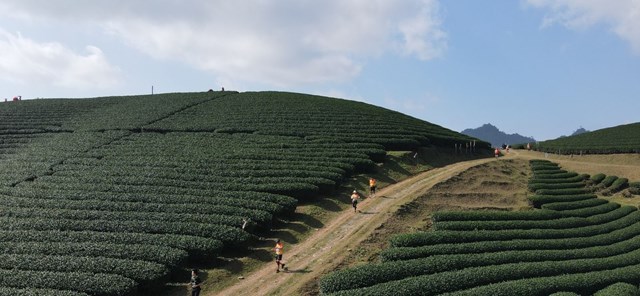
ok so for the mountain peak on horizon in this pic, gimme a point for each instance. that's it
(489, 126)
(490, 133)
(580, 130)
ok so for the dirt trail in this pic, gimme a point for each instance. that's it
(323, 251)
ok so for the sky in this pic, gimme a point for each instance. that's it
(540, 68)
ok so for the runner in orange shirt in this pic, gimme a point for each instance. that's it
(372, 187)
(279, 249)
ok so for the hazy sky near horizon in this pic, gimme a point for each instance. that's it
(541, 68)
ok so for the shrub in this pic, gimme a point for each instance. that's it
(372, 274)
(94, 284)
(494, 215)
(565, 206)
(537, 186)
(146, 273)
(608, 181)
(619, 184)
(575, 179)
(555, 175)
(5, 291)
(591, 211)
(161, 255)
(577, 218)
(570, 191)
(440, 237)
(405, 253)
(619, 289)
(597, 178)
(198, 246)
(539, 200)
(469, 278)
(585, 283)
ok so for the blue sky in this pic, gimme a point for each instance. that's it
(541, 68)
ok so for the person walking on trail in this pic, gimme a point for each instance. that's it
(497, 152)
(372, 187)
(354, 200)
(196, 283)
(279, 249)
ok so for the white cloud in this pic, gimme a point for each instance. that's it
(622, 16)
(422, 34)
(25, 61)
(283, 43)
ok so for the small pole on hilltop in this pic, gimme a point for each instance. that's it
(152, 90)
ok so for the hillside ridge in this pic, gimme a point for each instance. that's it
(151, 183)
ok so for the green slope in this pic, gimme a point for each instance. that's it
(124, 190)
(618, 139)
(574, 242)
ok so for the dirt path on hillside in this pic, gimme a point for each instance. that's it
(323, 251)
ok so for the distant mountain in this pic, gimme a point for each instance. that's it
(581, 130)
(496, 137)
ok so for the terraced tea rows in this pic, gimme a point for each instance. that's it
(618, 139)
(315, 118)
(110, 196)
(573, 243)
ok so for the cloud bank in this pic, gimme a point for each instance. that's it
(282, 43)
(621, 16)
(24, 61)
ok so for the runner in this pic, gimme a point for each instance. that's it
(372, 187)
(279, 248)
(196, 283)
(354, 200)
(497, 152)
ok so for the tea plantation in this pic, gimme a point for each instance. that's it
(109, 196)
(618, 139)
(573, 243)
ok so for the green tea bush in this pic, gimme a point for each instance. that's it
(440, 237)
(469, 278)
(537, 186)
(608, 181)
(406, 253)
(538, 200)
(570, 191)
(598, 178)
(619, 289)
(585, 283)
(373, 274)
(5, 291)
(565, 206)
(619, 184)
(162, 255)
(93, 284)
(196, 246)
